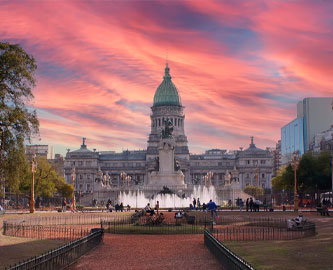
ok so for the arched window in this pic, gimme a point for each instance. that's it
(159, 122)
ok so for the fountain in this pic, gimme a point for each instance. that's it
(138, 199)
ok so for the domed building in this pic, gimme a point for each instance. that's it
(130, 170)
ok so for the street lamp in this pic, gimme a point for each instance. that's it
(295, 163)
(73, 181)
(332, 161)
(33, 170)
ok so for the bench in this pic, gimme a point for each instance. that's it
(189, 219)
(323, 211)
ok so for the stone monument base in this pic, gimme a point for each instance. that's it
(174, 180)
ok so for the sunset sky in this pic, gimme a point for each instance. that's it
(240, 67)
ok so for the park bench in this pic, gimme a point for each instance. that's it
(323, 211)
(189, 219)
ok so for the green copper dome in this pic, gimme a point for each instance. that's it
(167, 93)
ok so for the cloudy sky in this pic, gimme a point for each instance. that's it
(240, 66)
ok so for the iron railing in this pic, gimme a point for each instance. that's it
(237, 233)
(225, 256)
(43, 232)
(147, 225)
(62, 257)
(65, 219)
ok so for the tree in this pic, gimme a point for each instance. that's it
(47, 181)
(313, 174)
(17, 122)
(254, 191)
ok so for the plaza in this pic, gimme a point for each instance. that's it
(166, 135)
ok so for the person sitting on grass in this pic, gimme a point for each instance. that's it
(298, 220)
(149, 210)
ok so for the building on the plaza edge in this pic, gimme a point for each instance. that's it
(252, 166)
(37, 149)
(314, 115)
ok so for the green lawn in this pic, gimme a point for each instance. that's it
(15, 249)
(142, 229)
(303, 254)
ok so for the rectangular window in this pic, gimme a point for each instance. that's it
(248, 161)
(263, 161)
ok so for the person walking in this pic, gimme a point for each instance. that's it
(64, 204)
(212, 208)
(194, 203)
(265, 205)
(251, 204)
(241, 205)
(198, 203)
(247, 205)
(157, 207)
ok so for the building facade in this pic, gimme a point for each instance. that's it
(252, 166)
(277, 160)
(322, 141)
(36, 149)
(314, 115)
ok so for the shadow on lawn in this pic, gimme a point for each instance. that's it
(14, 253)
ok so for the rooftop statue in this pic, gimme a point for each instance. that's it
(168, 129)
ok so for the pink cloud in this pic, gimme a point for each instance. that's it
(107, 58)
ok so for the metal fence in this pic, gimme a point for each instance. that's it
(225, 256)
(62, 257)
(147, 225)
(43, 232)
(261, 233)
(238, 221)
(65, 219)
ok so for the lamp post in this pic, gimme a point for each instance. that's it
(295, 161)
(73, 181)
(332, 162)
(32, 197)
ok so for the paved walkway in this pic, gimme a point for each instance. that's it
(149, 252)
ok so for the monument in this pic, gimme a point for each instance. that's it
(167, 170)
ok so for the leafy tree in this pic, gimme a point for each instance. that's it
(254, 191)
(47, 180)
(17, 122)
(313, 174)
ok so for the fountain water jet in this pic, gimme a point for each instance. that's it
(137, 198)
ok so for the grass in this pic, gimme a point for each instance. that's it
(164, 229)
(302, 254)
(15, 249)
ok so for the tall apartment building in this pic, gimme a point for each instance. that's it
(314, 115)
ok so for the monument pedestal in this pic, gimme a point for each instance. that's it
(167, 175)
